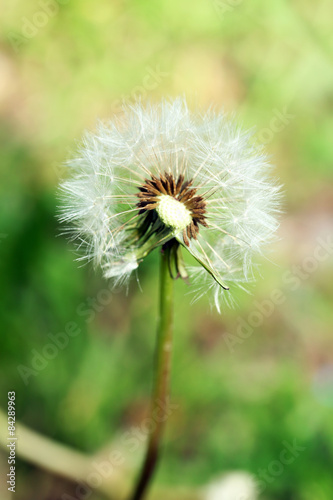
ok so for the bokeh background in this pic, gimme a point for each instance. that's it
(247, 383)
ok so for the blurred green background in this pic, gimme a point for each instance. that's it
(241, 396)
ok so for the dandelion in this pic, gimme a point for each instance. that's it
(162, 177)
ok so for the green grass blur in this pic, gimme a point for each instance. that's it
(63, 66)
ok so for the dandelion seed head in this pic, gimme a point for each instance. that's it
(161, 175)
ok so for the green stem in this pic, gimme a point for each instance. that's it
(160, 395)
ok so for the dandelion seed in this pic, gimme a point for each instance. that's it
(164, 177)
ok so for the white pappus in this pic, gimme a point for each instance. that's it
(162, 176)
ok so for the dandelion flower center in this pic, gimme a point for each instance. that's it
(173, 213)
(175, 202)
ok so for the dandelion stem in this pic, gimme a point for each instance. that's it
(160, 394)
